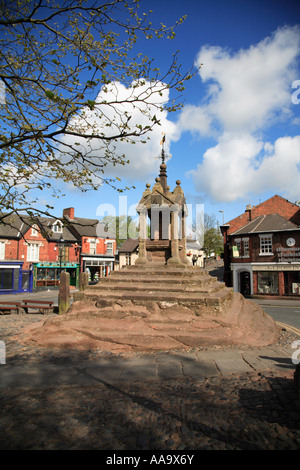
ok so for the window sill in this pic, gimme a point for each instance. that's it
(265, 254)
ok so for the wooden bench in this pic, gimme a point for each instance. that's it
(40, 305)
(9, 307)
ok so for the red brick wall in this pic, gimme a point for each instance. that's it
(101, 246)
(11, 249)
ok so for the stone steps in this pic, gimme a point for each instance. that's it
(106, 298)
(148, 286)
(133, 271)
(186, 286)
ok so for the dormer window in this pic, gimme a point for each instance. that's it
(57, 227)
(34, 231)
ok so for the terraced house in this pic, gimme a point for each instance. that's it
(33, 252)
(262, 249)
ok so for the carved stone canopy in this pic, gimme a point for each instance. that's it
(167, 214)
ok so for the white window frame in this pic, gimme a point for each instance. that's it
(34, 231)
(109, 251)
(238, 244)
(93, 246)
(57, 227)
(246, 253)
(2, 249)
(33, 252)
(263, 245)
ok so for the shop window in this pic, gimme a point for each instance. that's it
(267, 283)
(2, 250)
(292, 283)
(266, 245)
(6, 278)
(33, 252)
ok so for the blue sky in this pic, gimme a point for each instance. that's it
(237, 139)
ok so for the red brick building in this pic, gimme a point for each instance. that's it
(262, 249)
(33, 253)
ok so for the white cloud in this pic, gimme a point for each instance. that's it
(234, 168)
(247, 93)
(121, 103)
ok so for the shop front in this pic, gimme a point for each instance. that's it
(97, 266)
(277, 279)
(12, 279)
(47, 275)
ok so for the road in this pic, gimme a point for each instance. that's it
(285, 312)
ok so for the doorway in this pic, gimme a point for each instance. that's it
(245, 283)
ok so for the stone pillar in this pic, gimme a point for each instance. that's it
(183, 236)
(64, 293)
(83, 280)
(174, 237)
(142, 211)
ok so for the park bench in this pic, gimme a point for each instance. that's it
(40, 305)
(9, 307)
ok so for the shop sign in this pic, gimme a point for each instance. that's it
(288, 254)
(57, 265)
(276, 267)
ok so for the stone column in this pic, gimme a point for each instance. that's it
(142, 211)
(174, 237)
(64, 293)
(183, 236)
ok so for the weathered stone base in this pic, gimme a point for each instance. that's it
(156, 309)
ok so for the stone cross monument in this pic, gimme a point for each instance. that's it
(166, 213)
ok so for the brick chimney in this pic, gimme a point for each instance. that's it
(249, 210)
(69, 212)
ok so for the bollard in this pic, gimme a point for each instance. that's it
(83, 280)
(64, 293)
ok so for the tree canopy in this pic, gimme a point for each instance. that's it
(61, 111)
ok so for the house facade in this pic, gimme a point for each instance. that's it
(33, 253)
(98, 245)
(262, 249)
(128, 252)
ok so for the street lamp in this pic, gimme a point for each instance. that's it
(223, 216)
(61, 245)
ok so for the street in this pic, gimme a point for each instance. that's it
(286, 313)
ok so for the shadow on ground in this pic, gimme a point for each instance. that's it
(247, 412)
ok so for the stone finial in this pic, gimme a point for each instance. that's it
(178, 189)
(147, 190)
(157, 185)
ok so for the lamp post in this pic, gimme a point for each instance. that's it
(223, 216)
(61, 244)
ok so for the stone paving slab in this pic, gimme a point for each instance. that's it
(152, 367)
